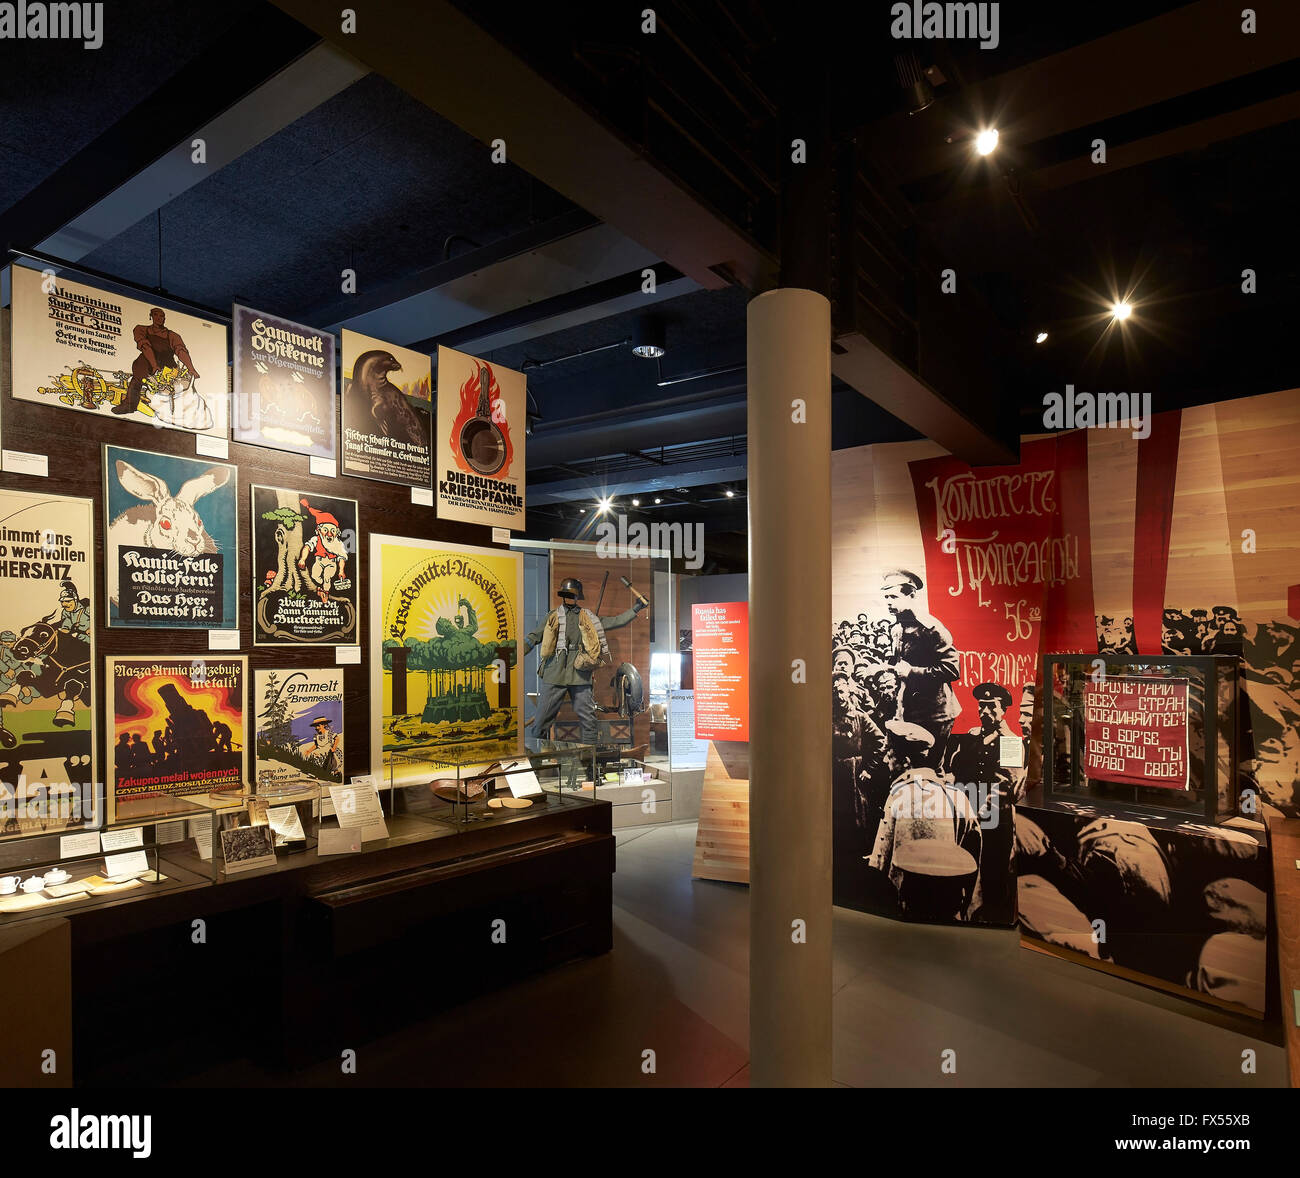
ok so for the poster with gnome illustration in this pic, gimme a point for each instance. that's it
(304, 574)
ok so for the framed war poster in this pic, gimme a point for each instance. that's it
(179, 725)
(444, 633)
(387, 412)
(47, 658)
(481, 423)
(284, 384)
(304, 568)
(171, 548)
(299, 722)
(78, 347)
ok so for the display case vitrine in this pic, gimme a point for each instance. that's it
(1147, 733)
(152, 844)
(458, 788)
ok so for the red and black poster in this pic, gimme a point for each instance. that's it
(999, 543)
(1135, 731)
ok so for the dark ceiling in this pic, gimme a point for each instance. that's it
(671, 151)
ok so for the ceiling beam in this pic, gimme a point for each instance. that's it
(728, 468)
(430, 308)
(900, 391)
(442, 58)
(299, 88)
(581, 302)
(93, 191)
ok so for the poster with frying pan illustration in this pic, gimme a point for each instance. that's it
(481, 421)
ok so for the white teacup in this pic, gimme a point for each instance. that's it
(9, 884)
(55, 876)
(33, 883)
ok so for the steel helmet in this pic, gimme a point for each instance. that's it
(570, 587)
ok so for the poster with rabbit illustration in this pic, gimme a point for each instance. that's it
(304, 568)
(171, 552)
(284, 384)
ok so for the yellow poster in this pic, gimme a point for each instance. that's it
(444, 683)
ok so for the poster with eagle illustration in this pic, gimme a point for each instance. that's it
(387, 412)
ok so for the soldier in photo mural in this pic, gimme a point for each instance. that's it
(924, 660)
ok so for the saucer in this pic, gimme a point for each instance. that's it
(57, 876)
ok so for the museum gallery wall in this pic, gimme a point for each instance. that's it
(950, 582)
(276, 553)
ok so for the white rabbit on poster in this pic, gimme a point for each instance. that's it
(163, 520)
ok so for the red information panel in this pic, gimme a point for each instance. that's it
(720, 641)
(1135, 731)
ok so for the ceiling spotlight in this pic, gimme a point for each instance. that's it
(582, 511)
(648, 337)
(1040, 337)
(914, 81)
(731, 494)
(986, 141)
(658, 500)
(636, 502)
(603, 504)
(1121, 310)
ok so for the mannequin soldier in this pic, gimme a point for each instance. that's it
(573, 644)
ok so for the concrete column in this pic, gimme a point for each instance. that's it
(789, 363)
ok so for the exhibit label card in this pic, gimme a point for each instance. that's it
(78, 846)
(91, 351)
(171, 548)
(357, 807)
(47, 660)
(130, 864)
(480, 444)
(299, 727)
(21, 462)
(304, 568)
(120, 840)
(520, 779)
(285, 822)
(387, 412)
(338, 840)
(284, 384)
(201, 833)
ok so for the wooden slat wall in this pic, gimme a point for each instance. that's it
(1112, 504)
(1200, 552)
(722, 837)
(874, 522)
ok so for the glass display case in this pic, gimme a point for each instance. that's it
(1155, 734)
(459, 788)
(151, 843)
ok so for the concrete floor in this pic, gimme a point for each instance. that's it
(676, 985)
